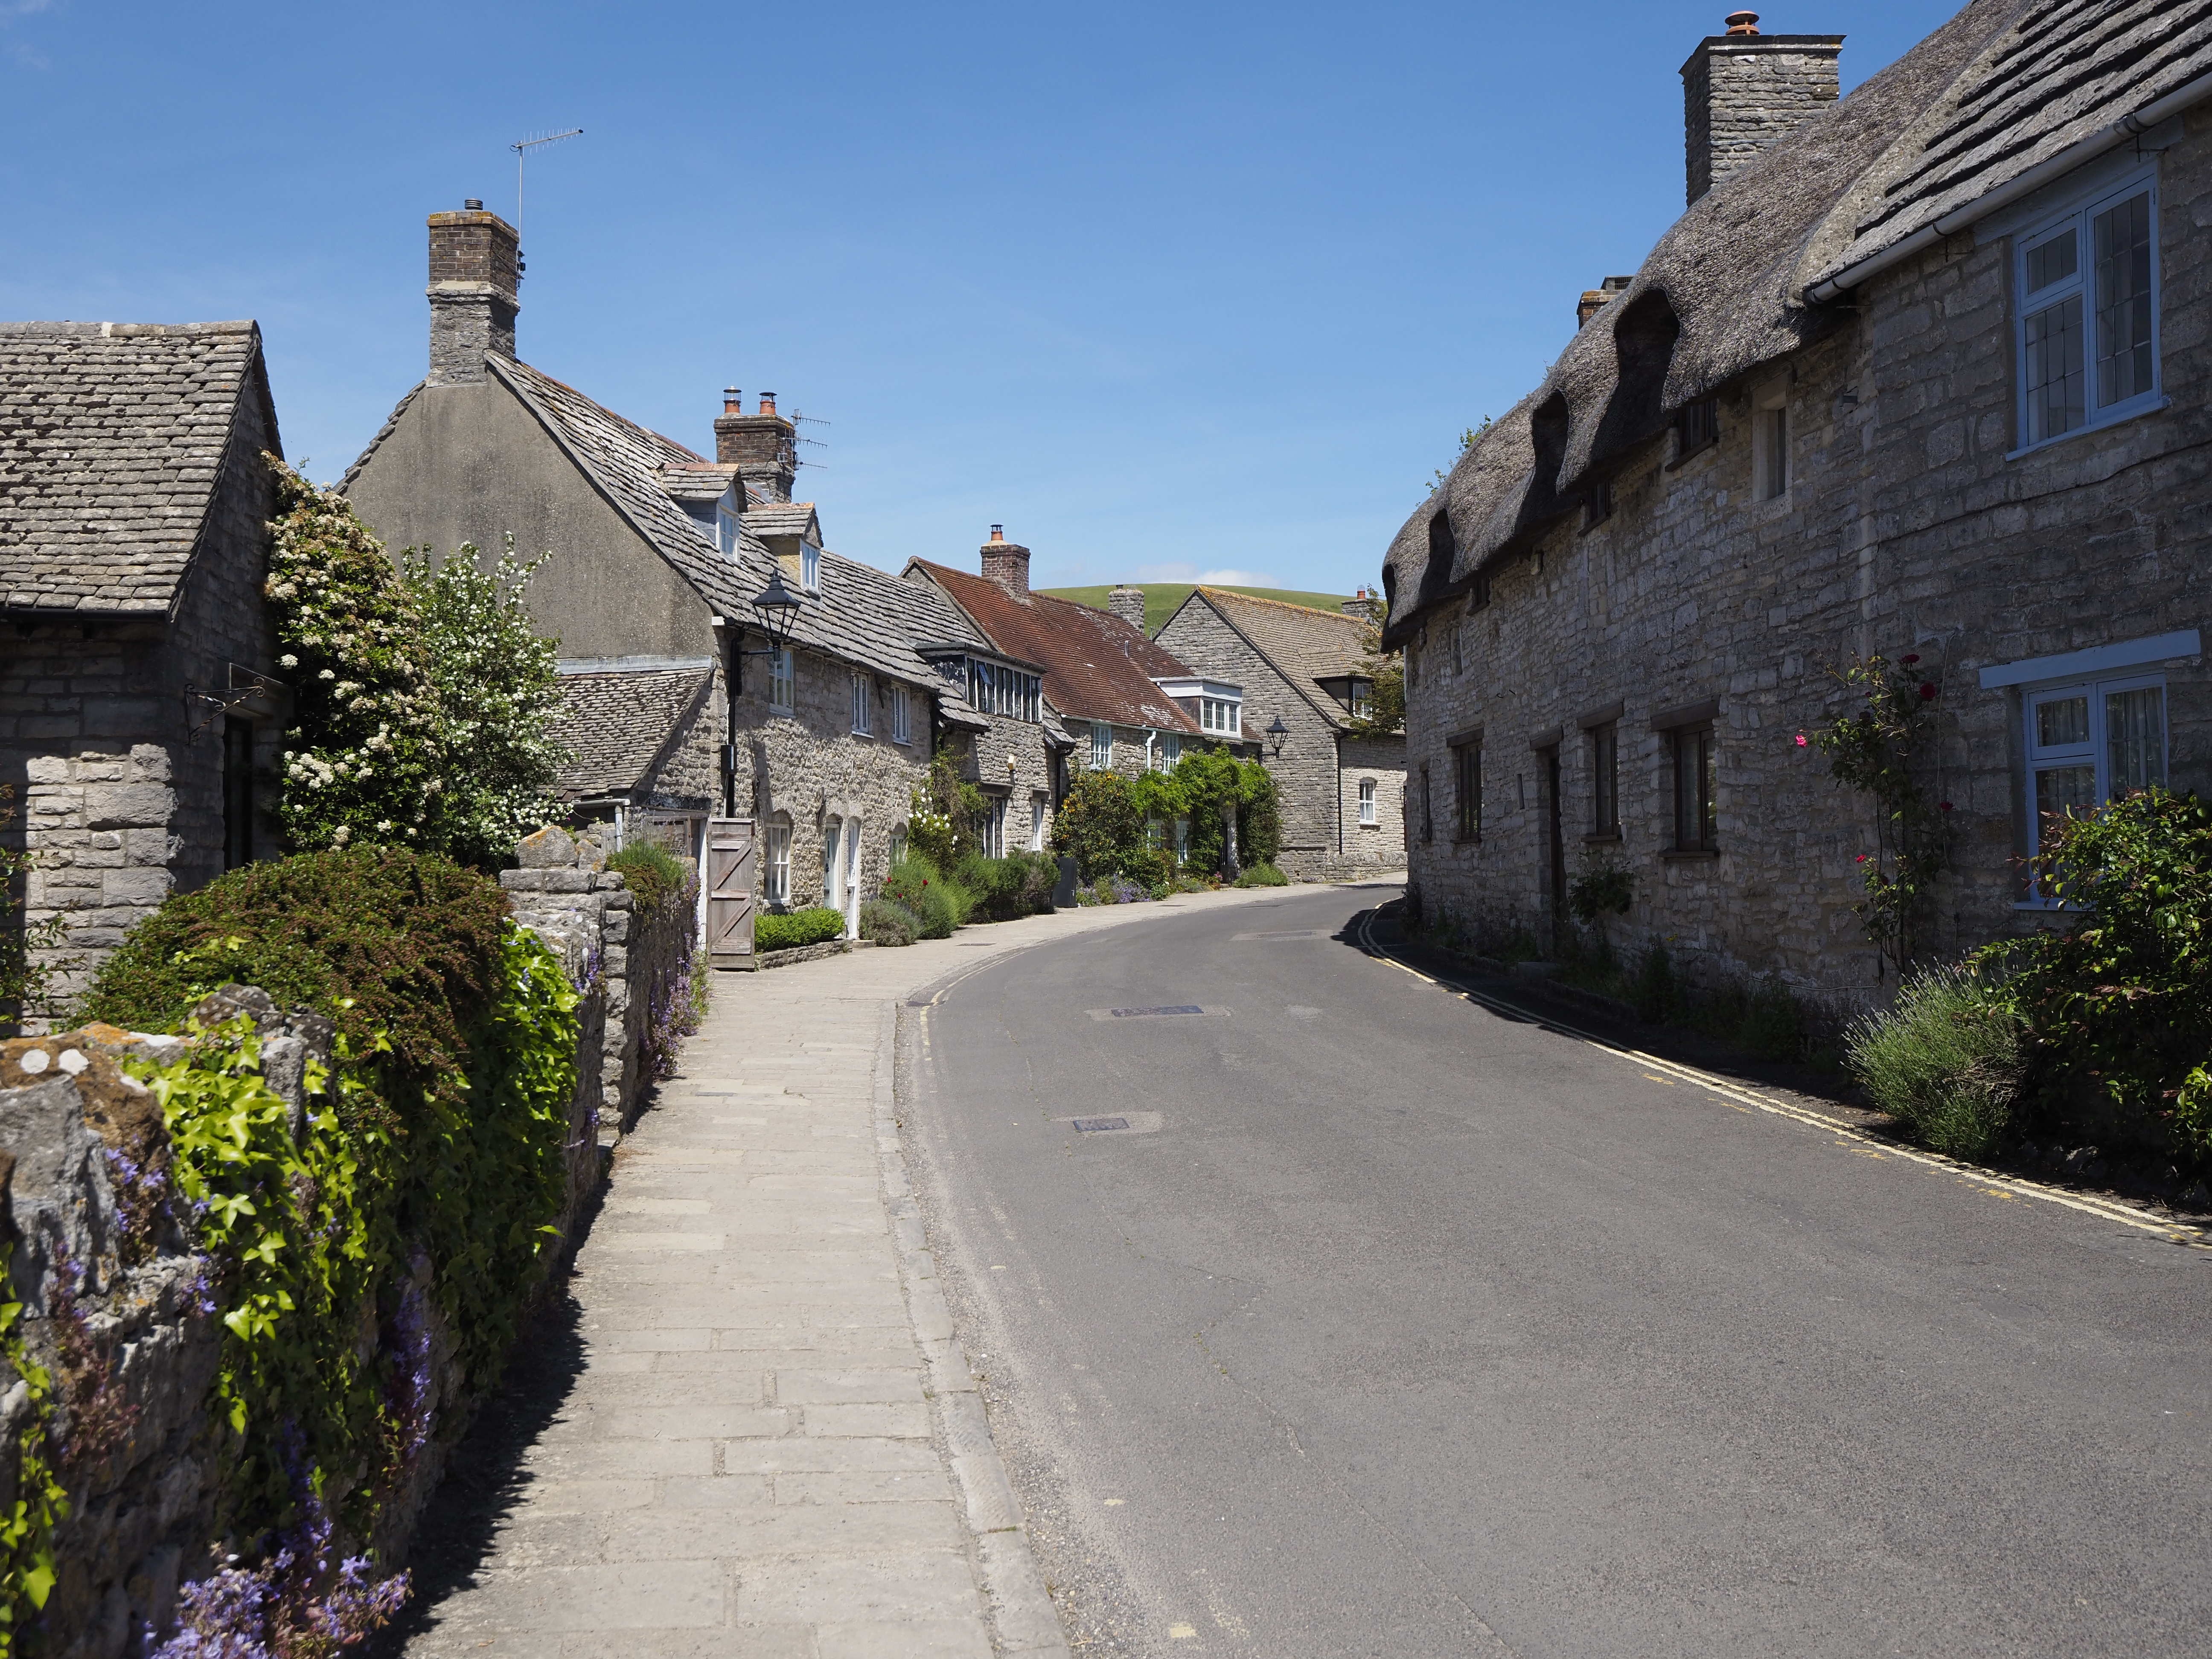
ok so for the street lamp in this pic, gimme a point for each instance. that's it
(1276, 732)
(777, 607)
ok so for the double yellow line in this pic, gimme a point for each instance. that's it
(1749, 1100)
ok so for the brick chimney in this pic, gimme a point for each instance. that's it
(1743, 91)
(764, 447)
(1129, 603)
(1360, 605)
(1005, 562)
(474, 274)
(1595, 300)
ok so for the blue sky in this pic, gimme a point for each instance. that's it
(1168, 290)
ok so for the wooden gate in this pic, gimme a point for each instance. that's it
(730, 892)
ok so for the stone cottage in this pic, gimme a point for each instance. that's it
(680, 707)
(1109, 698)
(1342, 787)
(1923, 372)
(139, 718)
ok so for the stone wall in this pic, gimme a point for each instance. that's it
(804, 768)
(118, 779)
(630, 966)
(1909, 526)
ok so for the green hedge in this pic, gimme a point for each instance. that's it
(1005, 889)
(439, 1140)
(816, 926)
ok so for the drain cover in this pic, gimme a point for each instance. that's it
(1092, 1126)
(1149, 1013)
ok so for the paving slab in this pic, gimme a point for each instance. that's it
(763, 1439)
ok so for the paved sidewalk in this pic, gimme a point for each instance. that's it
(772, 1445)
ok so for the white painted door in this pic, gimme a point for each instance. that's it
(852, 879)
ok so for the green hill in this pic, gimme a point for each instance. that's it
(1162, 600)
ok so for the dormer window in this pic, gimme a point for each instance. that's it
(1221, 715)
(995, 688)
(728, 522)
(809, 566)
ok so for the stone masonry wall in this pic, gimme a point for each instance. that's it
(1907, 528)
(806, 768)
(119, 782)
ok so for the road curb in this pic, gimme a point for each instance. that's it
(1023, 1619)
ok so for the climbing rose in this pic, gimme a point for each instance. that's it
(1927, 691)
(1800, 739)
(1910, 657)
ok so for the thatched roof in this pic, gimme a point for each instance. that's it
(2003, 87)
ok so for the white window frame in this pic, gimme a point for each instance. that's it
(902, 720)
(2080, 218)
(833, 842)
(895, 849)
(782, 682)
(1224, 716)
(1770, 443)
(775, 866)
(863, 704)
(809, 566)
(1169, 752)
(728, 523)
(1101, 746)
(1367, 800)
(1040, 803)
(994, 827)
(2096, 750)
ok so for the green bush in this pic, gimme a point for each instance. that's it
(1100, 824)
(1002, 889)
(817, 925)
(441, 1134)
(1945, 1061)
(1604, 888)
(1262, 875)
(652, 872)
(939, 904)
(888, 922)
(2119, 1006)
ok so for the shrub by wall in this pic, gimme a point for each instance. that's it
(816, 926)
(1005, 889)
(887, 922)
(376, 1203)
(940, 904)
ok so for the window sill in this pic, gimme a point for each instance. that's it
(1691, 855)
(2120, 416)
(1467, 841)
(1602, 838)
(1685, 459)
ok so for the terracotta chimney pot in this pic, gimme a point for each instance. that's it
(733, 401)
(1743, 22)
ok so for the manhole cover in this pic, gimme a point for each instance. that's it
(1152, 1013)
(1092, 1126)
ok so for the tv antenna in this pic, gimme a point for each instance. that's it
(798, 418)
(522, 147)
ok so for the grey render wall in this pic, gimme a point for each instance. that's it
(1323, 837)
(471, 462)
(1905, 530)
(118, 783)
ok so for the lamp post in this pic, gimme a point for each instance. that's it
(1277, 733)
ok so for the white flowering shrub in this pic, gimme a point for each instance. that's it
(499, 693)
(422, 699)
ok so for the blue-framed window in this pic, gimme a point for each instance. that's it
(2088, 315)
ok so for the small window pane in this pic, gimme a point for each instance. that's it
(1605, 754)
(2056, 387)
(2061, 722)
(2063, 789)
(2135, 739)
(2053, 261)
(2125, 369)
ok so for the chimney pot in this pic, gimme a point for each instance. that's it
(1743, 92)
(1006, 563)
(997, 532)
(768, 403)
(733, 402)
(473, 205)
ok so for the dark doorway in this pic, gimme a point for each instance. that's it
(237, 793)
(1555, 844)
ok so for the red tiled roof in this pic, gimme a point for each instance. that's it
(1097, 666)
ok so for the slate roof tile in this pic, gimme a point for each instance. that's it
(619, 722)
(113, 440)
(1096, 666)
(1306, 645)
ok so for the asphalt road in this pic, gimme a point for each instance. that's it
(1392, 1327)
